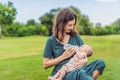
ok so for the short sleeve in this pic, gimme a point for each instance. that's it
(79, 40)
(48, 49)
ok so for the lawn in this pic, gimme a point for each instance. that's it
(21, 58)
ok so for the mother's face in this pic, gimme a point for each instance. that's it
(69, 26)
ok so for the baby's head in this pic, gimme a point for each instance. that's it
(87, 49)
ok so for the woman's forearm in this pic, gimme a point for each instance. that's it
(47, 62)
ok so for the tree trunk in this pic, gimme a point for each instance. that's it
(0, 31)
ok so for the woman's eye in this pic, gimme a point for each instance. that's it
(69, 25)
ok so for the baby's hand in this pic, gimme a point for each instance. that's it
(49, 78)
(81, 55)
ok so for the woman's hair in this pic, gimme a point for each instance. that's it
(61, 20)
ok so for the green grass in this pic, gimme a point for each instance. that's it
(21, 58)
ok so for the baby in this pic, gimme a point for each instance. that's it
(77, 61)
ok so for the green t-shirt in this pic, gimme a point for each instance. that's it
(54, 49)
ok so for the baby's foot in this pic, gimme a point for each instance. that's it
(49, 78)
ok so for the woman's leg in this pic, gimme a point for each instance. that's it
(95, 68)
(84, 75)
(78, 74)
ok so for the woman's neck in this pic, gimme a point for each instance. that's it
(66, 39)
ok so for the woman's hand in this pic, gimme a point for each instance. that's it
(68, 52)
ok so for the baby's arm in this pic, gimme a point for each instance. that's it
(80, 61)
(80, 55)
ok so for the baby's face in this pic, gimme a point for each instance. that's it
(83, 49)
(86, 49)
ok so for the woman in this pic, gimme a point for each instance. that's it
(64, 32)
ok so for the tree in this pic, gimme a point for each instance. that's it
(7, 15)
(0, 31)
(98, 25)
(47, 19)
(116, 25)
(85, 24)
(31, 22)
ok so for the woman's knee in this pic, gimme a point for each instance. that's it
(100, 66)
(101, 63)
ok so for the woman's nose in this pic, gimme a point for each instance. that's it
(71, 27)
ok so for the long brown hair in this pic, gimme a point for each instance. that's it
(61, 20)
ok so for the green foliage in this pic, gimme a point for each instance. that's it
(17, 29)
(25, 31)
(38, 29)
(47, 19)
(116, 26)
(7, 13)
(44, 30)
(11, 30)
(84, 26)
(31, 22)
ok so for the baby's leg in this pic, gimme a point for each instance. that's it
(49, 78)
(62, 73)
(55, 76)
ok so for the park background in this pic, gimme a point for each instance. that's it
(22, 40)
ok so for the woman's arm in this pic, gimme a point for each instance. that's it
(48, 62)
